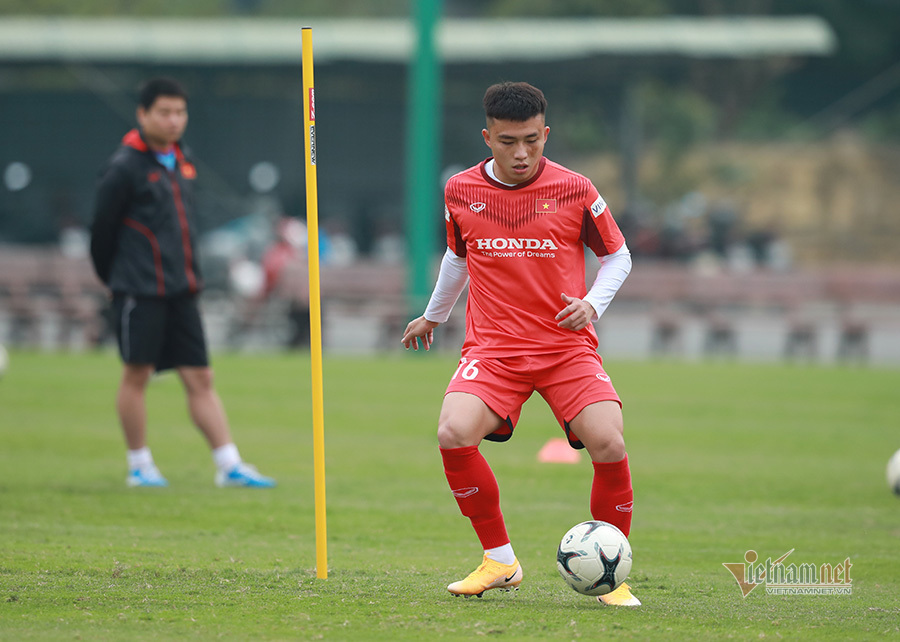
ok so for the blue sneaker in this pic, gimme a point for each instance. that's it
(243, 476)
(147, 477)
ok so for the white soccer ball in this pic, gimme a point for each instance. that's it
(594, 558)
(4, 360)
(893, 473)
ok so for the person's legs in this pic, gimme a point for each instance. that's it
(185, 350)
(139, 323)
(208, 414)
(131, 404)
(464, 421)
(599, 427)
(205, 406)
(132, 410)
(586, 404)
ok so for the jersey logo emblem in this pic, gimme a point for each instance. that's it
(598, 207)
(477, 207)
(545, 205)
(188, 171)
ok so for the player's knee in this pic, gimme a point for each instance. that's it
(454, 434)
(615, 447)
(604, 442)
(447, 435)
(136, 376)
(606, 446)
(197, 380)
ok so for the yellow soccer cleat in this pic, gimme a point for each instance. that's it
(620, 597)
(490, 575)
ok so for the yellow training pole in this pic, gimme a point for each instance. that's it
(315, 308)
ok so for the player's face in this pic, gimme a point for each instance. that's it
(164, 121)
(517, 146)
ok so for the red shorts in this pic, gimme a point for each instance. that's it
(568, 381)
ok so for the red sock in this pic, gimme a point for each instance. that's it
(475, 488)
(611, 494)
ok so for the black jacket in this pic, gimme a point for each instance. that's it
(143, 233)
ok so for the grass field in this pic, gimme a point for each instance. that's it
(725, 458)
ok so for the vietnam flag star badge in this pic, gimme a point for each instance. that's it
(545, 205)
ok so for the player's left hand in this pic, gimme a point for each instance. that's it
(576, 315)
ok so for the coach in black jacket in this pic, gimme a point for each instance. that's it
(143, 232)
(143, 248)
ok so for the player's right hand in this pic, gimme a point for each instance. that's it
(420, 328)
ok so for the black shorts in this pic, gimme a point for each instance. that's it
(166, 332)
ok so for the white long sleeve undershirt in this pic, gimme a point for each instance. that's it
(451, 281)
(614, 268)
(454, 275)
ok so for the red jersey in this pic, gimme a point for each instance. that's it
(524, 246)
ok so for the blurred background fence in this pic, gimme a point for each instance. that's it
(748, 149)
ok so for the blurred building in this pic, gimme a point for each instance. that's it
(67, 95)
(67, 91)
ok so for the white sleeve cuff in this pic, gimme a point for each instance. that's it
(613, 270)
(451, 281)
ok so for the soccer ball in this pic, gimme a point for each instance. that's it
(594, 558)
(893, 473)
(4, 360)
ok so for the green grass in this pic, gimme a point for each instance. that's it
(725, 458)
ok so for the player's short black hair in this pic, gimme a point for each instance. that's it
(161, 86)
(517, 101)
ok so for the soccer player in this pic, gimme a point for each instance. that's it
(517, 224)
(143, 246)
